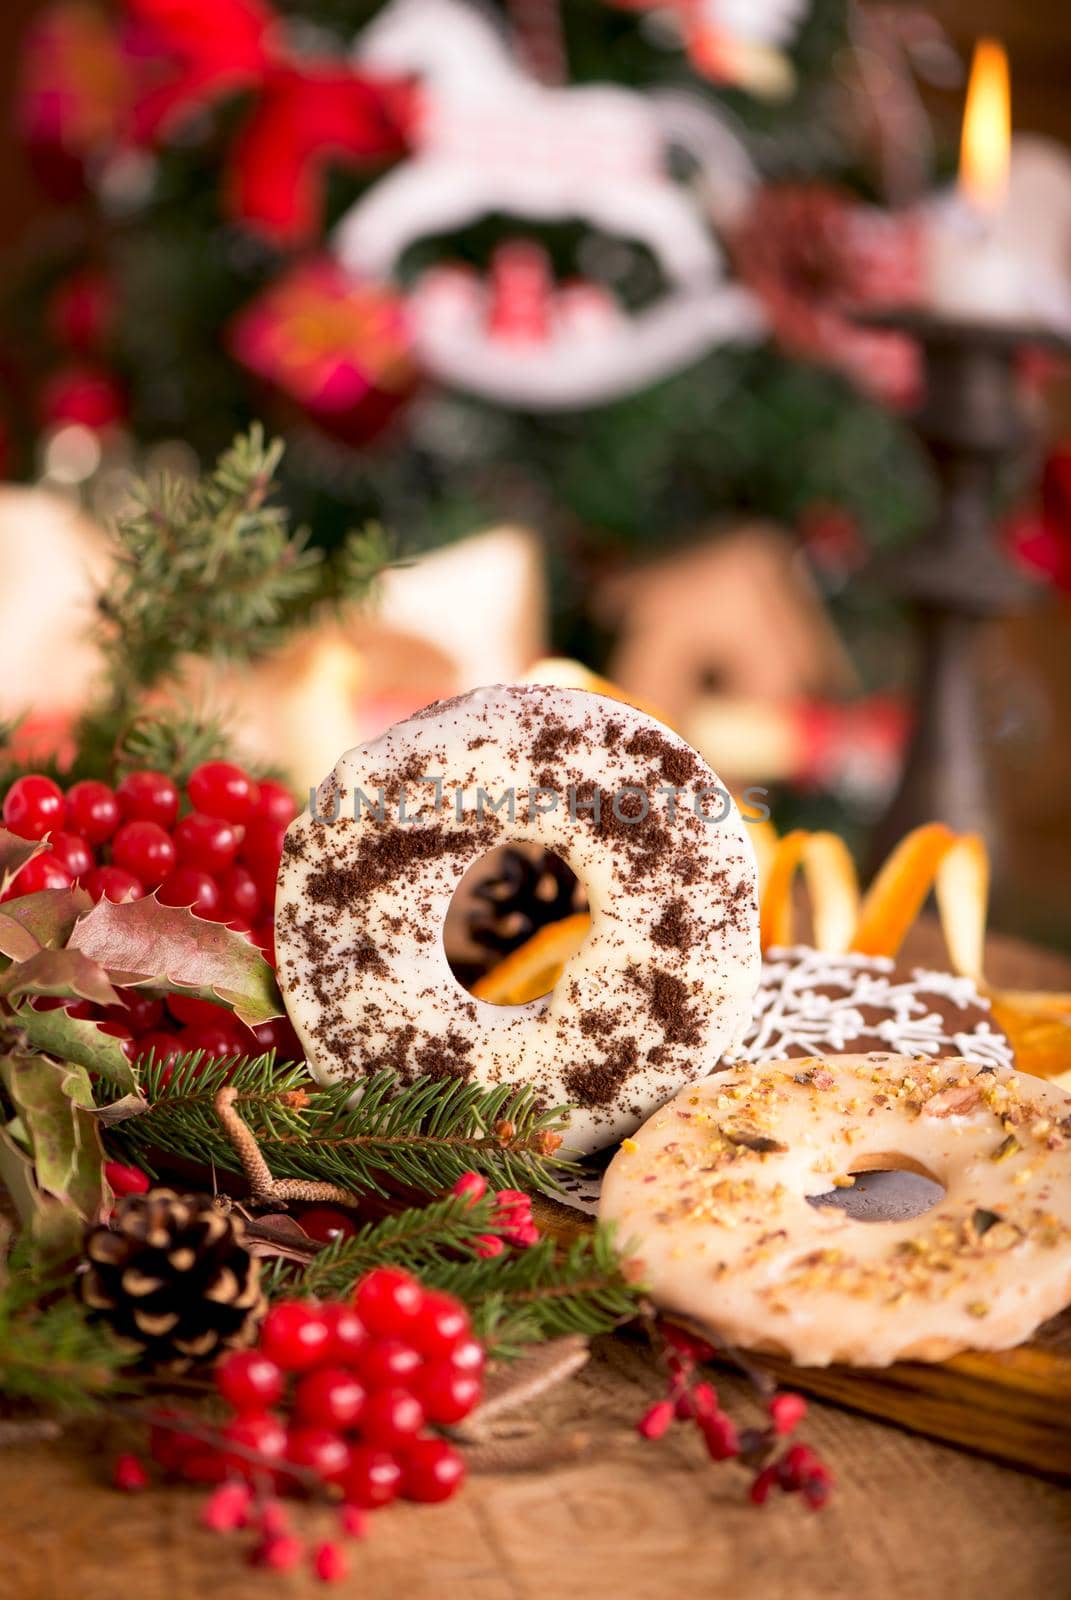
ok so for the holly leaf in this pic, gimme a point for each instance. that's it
(39, 921)
(74, 1039)
(66, 974)
(16, 1175)
(143, 944)
(14, 854)
(54, 1101)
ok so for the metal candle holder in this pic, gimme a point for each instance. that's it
(957, 577)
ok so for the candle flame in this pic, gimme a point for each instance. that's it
(986, 144)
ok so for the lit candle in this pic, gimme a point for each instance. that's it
(999, 246)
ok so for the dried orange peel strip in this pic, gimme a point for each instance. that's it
(829, 873)
(956, 867)
(535, 967)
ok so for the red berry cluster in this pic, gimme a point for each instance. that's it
(216, 848)
(512, 1216)
(337, 1396)
(692, 1399)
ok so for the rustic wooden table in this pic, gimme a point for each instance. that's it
(627, 1521)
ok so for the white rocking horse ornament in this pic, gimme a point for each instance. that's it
(491, 139)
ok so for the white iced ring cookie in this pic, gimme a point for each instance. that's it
(711, 1196)
(665, 979)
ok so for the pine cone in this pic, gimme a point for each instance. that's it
(174, 1275)
(525, 893)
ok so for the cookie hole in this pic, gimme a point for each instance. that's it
(514, 895)
(887, 1188)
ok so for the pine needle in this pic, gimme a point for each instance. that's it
(370, 1138)
(517, 1299)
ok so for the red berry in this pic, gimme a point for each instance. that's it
(126, 1180)
(71, 852)
(187, 886)
(220, 789)
(169, 1446)
(163, 1047)
(325, 1224)
(276, 803)
(321, 1450)
(295, 1335)
(386, 1363)
(273, 1518)
(188, 1008)
(262, 1434)
(227, 1508)
(144, 849)
(433, 1471)
(353, 1522)
(92, 810)
(468, 1356)
(488, 1245)
(214, 1038)
(249, 1381)
(202, 1463)
(262, 846)
(655, 1420)
(279, 1035)
(45, 871)
(389, 1363)
(129, 1474)
(446, 1394)
(209, 843)
(329, 1563)
(139, 1012)
(787, 1411)
(720, 1436)
(238, 894)
(330, 1397)
(391, 1417)
(148, 797)
(389, 1301)
(33, 806)
(112, 883)
(374, 1477)
(761, 1485)
(443, 1323)
(471, 1186)
(281, 1552)
(347, 1336)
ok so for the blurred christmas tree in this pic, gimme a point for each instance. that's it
(466, 283)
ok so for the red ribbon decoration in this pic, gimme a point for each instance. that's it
(307, 109)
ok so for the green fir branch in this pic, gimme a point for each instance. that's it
(421, 1239)
(544, 1292)
(520, 1298)
(372, 1137)
(209, 568)
(52, 1354)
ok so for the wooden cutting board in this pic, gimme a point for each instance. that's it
(1013, 1405)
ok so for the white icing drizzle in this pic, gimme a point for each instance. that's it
(790, 1012)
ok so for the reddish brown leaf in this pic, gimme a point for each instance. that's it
(68, 974)
(143, 944)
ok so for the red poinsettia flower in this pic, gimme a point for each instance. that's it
(308, 110)
(341, 349)
(1040, 537)
(814, 258)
